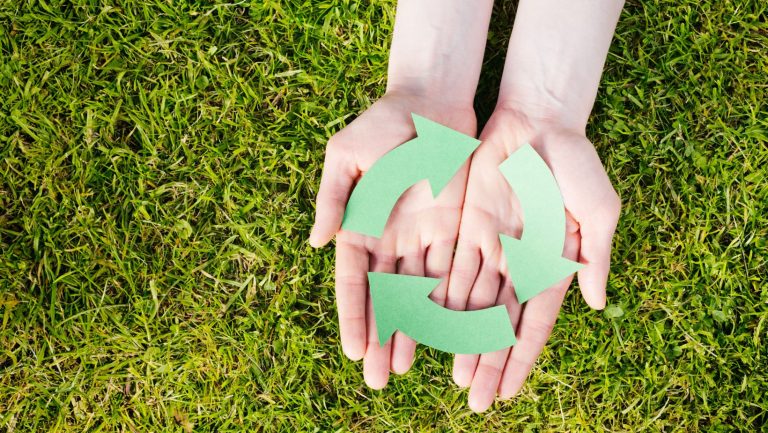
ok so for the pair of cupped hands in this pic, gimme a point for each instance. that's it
(455, 236)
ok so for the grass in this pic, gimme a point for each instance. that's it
(158, 163)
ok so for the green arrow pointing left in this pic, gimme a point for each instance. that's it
(535, 261)
(436, 154)
(401, 302)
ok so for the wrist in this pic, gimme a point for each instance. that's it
(430, 58)
(527, 123)
(555, 58)
(460, 117)
(433, 89)
(542, 105)
(435, 107)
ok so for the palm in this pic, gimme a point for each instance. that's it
(478, 277)
(419, 236)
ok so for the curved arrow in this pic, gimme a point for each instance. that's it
(535, 261)
(435, 154)
(401, 302)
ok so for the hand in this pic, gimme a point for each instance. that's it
(419, 236)
(477, 278)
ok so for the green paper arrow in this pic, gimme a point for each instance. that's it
(535, 261)
(401, 302)
(435, 154)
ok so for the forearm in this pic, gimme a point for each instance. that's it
(437, 48)
(556, 56)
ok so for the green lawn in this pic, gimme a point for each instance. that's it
(158, 166)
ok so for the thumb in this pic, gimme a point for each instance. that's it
(596, 240)
(332, 197)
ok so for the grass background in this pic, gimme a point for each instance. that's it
(158, 163)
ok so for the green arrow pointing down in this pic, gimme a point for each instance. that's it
(535, 261)
(401, 302)
(435, 154)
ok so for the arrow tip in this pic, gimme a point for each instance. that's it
(533, 269)
(391, 296)
(447, 149)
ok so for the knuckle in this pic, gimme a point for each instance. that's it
(436, 271)
(614, 203)
(384, 261)
(337, 150)
(477, 302)
(443, 243)
(539, 331)
(609, 207)
(350, 320)
(463, 275)
(489, 369)
(334, 144)
(347, 281)
(411, 254)
(521, 364)
(333, 196)
(439, 298)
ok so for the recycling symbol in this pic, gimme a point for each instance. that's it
(534, 262)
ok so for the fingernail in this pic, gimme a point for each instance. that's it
(313, 238)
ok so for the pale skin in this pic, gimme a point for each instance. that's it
(433, 71)
(552, 71)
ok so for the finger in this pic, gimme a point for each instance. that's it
(464, 367)
(445, 231)
(487, 376)
(595, 254)
(351, 293)
(483, 295)
(535, 325)
(437, 264)
(486, 288)
(403, 347)
(486, 379)
(464, 268)
(332, 197)
(377, 357)
(508, 299)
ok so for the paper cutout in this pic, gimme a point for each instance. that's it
(435, 154)
(401, 302)
(535, 261)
